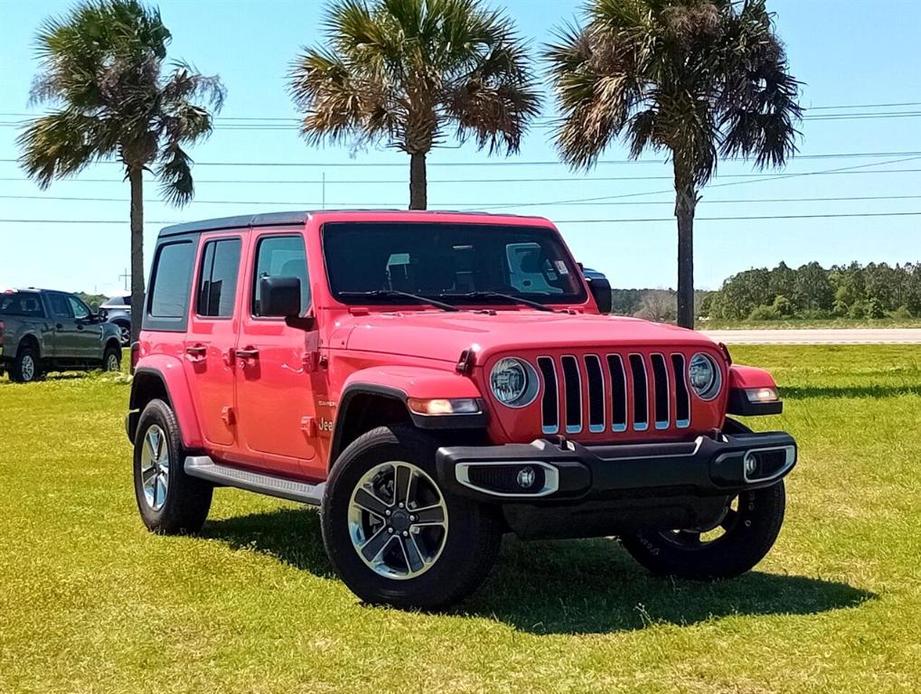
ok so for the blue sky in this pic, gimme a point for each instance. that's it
(846, 52)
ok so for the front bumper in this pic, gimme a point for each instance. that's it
(544, 472)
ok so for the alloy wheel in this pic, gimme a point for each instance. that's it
(27, 368)
(112, 363)
(398, 520)
(155, 467)
(697, 538)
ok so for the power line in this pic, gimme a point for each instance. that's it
(704, 201)
(510, 162)
(628, 220)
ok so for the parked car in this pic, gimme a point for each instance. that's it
(43, 330)
(118, 312)
(431, 381)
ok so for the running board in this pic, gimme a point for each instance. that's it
(203, 467)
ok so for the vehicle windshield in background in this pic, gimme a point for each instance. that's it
(456, 263)
(21, 305)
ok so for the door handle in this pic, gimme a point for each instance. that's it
(196, 352)
(59, 326)
(247, 353)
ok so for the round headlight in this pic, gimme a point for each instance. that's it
(704, 376)
(513, 382)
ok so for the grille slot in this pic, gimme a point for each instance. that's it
(550, 403)
(682, 396)
(614, 393)
(572, 384)
(595, 378)
(618, 393)
(640, 393)
(660, 381)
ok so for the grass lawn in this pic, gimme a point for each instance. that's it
(90, 602)
(808, 323)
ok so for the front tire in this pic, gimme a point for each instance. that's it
(170, 501)
(748, 530)
(393, 535)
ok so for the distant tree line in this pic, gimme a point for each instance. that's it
(875, 290)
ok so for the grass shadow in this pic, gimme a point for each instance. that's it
(868, 391)
(571, 587)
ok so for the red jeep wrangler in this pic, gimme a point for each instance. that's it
(432, 380)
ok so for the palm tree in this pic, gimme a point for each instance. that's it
(696, 78)
(101, 71)
(402, 72)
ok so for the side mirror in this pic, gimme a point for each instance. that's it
(102, 315)
(280, 297)
(600, 288)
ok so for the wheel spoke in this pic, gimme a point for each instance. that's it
(402, 479)
(161, 483)
(373, 547)
(414, 559)
(370, 503)
(430, 515)
(153, 444)
(153, 491)
(729, 519)
(148, 473)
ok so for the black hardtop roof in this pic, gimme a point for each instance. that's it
(266, 219)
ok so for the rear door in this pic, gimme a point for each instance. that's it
(66, 341)
(275, 384)
(212, 333)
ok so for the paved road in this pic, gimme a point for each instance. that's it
(825, 336)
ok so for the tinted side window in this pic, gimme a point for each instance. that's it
(170, 284)
(281, 256)
(78, 307)
(217, 281)
(21, 305)
(60, 306)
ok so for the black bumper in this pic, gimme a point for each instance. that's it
(550, 473)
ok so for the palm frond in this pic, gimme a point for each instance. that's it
(61, 144)
(174, 173)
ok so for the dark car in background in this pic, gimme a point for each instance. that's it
(44, 330)
(118, 312)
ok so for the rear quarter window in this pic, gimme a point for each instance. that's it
(170, 286)
(17, 304)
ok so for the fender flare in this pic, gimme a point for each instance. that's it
(169, 372)
(399, 383)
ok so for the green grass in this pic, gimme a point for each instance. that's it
(90, 602)
(809, 323)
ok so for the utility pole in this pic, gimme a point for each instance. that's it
(323, 192)
(125, 276)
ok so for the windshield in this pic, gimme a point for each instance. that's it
(457, 263)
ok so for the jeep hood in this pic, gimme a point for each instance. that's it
(443, 336)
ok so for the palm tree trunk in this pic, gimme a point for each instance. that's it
(685, 204)
(136, 179)
(418, 193)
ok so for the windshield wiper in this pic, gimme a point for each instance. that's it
(394, 294)
(499, 295)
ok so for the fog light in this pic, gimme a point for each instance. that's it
(751, 465)
(526, 477)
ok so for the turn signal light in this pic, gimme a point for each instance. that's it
(762, 394)
(443, 406)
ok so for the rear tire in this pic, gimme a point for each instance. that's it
(750, 531)
(170, 501)
(434, 557)
(26, 367)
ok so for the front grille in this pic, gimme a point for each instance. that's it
(616, 393)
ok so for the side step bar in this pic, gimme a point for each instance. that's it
(203, 467)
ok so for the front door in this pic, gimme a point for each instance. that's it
(88, 331)
(275, 400)
(211, 337)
